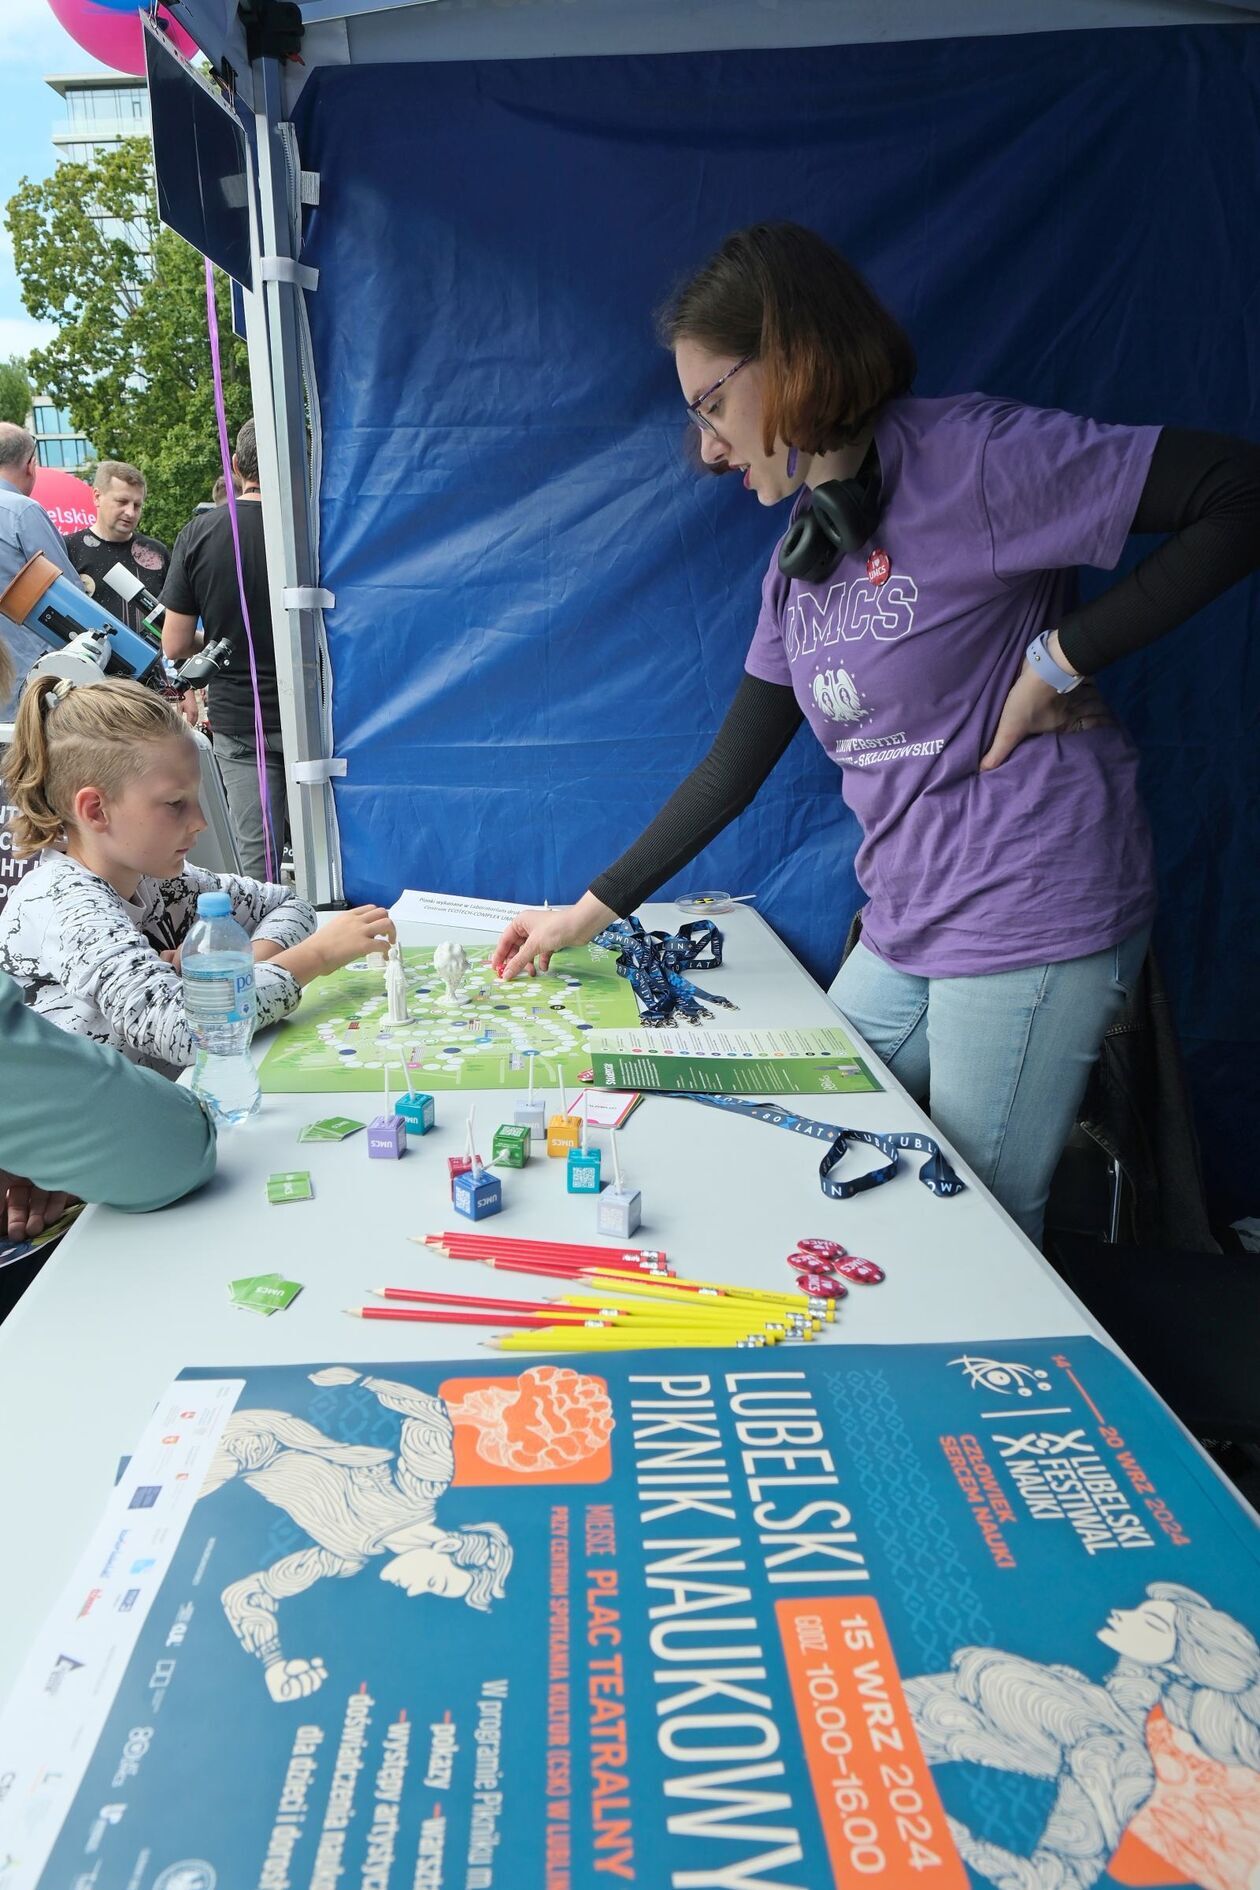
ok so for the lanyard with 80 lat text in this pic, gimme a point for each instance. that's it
(936, 1174)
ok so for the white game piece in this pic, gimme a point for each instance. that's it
(396, 987)
(375, 961)
(532, 1115)
(450, 962)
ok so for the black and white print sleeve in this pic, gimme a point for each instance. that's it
(261, 909)
(90, 962)
(113, 985)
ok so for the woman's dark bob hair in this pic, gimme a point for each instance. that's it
(831, 354)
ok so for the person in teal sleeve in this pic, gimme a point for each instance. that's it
(78, 1120)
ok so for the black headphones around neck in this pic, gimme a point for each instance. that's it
(841, 517)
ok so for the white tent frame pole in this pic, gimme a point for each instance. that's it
(280, 422)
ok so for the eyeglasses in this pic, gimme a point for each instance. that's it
(693, 406)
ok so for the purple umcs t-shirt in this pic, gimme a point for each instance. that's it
(988, 509)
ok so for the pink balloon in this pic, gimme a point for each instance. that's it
(68, 501)
(115, 38)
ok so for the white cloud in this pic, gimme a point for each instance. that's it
(18, 335)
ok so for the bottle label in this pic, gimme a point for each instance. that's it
(219, 997)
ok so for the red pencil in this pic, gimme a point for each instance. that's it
(572, 1267)
(565, 1248)
(458, 1317)
(484, 1301)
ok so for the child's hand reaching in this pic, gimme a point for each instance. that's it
(347, 936)
(350, 934)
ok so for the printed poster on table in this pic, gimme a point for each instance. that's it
(728, 1620)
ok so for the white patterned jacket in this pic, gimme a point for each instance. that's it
(87, 959)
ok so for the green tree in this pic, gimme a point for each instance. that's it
(131, 357)
(15, 390)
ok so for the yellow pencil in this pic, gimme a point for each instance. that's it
(579, 1339)
(674, 1312)
(707, 1294)
(706, 1289)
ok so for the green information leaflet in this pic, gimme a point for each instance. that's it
(732, 1062)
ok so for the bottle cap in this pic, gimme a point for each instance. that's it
(213, 905)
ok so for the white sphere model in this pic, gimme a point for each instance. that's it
(450, 962)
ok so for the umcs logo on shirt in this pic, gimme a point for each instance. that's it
(852, 611)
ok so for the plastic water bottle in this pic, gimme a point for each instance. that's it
(218, 970)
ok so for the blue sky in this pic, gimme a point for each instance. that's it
(32, 44)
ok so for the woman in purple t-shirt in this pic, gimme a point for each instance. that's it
(915, 614)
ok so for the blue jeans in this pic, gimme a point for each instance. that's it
(1002, 1059)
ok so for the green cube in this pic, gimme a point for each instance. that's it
(511, 1145)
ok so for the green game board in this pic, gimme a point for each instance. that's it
(339, 1042)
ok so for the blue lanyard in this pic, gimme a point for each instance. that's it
(654, 963)
(936, 1174)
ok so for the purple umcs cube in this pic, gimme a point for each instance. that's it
(386, 1138)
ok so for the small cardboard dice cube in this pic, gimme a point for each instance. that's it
(386, 1138)
(563, 1133)
(511, 1145)
(417, 1110)
(477, 1194)
(457, 1165)
(583, 1176)
(618, 1212)
(532, 1116)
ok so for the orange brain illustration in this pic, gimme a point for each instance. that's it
(554, 1419)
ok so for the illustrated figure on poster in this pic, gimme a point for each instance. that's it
(450, 962)
(357, 1503)
(1159, 1765)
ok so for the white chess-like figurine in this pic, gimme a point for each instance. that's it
(450, 962)
(396, 987)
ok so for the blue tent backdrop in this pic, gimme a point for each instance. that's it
(542, 611)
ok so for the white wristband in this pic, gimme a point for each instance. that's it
(1045, 666)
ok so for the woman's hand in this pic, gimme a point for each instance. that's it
(531, 939)
(1034, 708)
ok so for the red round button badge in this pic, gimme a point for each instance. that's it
(821, 1286)
(878, 567)
(825, 1249)
(862, 1272)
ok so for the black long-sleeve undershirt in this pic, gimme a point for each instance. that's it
(1202, 488)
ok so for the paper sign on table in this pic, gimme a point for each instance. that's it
(453, 909)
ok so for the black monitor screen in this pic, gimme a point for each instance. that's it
(199, 156)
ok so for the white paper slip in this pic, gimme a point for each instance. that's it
(52, 1720)
(453, 909)
(605, 1108)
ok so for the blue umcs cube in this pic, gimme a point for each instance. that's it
(386, 1138)
(477, 1195)
(417, 1110)
(583, 1175)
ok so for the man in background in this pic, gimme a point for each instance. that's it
(201, 582)
(25, 528)
(114, 538)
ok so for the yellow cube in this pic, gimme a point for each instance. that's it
(563, 1133)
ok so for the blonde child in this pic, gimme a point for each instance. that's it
(106, 778)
